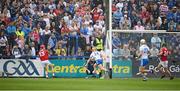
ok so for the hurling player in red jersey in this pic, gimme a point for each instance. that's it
(164, 62)
(44, 57)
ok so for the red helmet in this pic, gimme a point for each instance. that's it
(42, 46)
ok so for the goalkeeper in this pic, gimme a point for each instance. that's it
(97, 57)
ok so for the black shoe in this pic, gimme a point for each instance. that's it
(162, 76)
(171, 78)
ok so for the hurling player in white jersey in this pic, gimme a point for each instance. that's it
(98, 58)
(143, 55)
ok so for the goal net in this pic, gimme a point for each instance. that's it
(124, 44)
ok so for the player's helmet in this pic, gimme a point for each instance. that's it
(142, 41)
(42, 46)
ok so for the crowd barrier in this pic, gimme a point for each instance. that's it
(74, 68)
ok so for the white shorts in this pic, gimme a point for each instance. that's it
(164, 63)
(46, 62)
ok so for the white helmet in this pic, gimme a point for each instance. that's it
(143, 41)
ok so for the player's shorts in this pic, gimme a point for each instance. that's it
(164, 63)
(99, 61)
(46, 62)
(144, 62)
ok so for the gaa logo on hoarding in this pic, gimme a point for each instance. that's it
(20, 67)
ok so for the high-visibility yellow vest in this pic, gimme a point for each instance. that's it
(99, 44)
(20, 33)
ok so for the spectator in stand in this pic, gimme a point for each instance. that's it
(82, 42)
(3, 43)
(26, 53)
(52, 41)
(125, 22)
(125, 53)
(164, 25)
(172, 26)
(11, 29)
(139, 26)
(155, 40)
(87, 52)
(33, 49)
(117, 17)
(118, 52)
(16, 51)
(150, 12)
(46, 34)
(163, 8)
(62, 18)
(7, 54)
(154, 53)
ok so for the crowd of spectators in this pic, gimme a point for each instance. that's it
(126, 45)
(146, 15)
(65, 27)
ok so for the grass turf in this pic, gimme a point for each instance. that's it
(71, 84)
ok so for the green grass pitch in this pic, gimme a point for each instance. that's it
(76, 84)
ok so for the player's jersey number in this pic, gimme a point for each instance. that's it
(145, 50)
(42, 53)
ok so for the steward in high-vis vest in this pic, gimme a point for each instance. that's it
(98, 43)
(20, 33)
